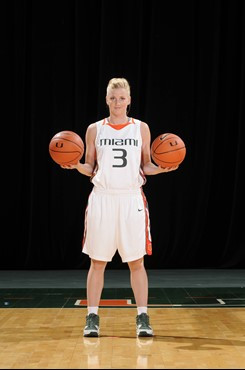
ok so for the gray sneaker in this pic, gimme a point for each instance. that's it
(143, 328)
(92, 326)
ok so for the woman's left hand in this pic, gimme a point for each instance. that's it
(168, 169)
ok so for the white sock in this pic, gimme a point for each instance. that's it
(141, 310)
(93, 310)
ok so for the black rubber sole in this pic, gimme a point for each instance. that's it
(144, 334)
(94, 335)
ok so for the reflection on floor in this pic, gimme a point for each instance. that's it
(187, 338)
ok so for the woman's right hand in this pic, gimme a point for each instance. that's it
(69, 166)
(84, 168)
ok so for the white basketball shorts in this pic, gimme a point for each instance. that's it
(117, 220)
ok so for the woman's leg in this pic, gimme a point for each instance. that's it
(95, 282)
(139, 282)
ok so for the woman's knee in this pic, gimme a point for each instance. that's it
(136, 265)
(98, 265)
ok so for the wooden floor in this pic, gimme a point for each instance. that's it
(51, 338)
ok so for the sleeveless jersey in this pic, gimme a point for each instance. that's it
(118, 150)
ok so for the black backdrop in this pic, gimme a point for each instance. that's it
(185, 63)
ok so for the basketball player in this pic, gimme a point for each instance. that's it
(117, 159)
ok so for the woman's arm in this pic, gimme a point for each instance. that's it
(90, 155)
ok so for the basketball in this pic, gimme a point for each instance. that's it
(168, 150)
(66, 147)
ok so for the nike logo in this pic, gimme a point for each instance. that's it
(140, 210)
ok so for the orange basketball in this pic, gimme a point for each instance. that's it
(168, 150)
(66, 147)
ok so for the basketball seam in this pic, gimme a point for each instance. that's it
(70, 141)
(172, 163)
(169, 138)
(62, 152)
(159, 160)
(67, 162)
(169, 151)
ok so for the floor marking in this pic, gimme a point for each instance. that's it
(222, 300)
(106, 302)
(234, 299)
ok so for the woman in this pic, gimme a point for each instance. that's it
(117, 159)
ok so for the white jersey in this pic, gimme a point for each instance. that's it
(117, 216)
(118, 149)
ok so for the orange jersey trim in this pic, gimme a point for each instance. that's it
(119, 126)
(148, 243)
(85, 223)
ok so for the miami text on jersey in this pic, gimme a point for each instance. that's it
(133, 142)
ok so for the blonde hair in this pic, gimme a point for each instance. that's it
(116, 83)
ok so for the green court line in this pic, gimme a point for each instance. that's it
(158, 297)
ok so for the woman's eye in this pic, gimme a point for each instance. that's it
(121, 99)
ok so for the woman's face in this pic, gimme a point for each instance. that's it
(118, 100)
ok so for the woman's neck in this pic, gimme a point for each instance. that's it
(117, 120)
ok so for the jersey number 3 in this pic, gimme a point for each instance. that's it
(121, 157)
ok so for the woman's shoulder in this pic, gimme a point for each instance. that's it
(93, 125)
(144, 128)
(92, 130)
(143, 125)
(138, 120)
(97, 123)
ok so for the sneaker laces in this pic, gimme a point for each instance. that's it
(143, 319)
(91, 319)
